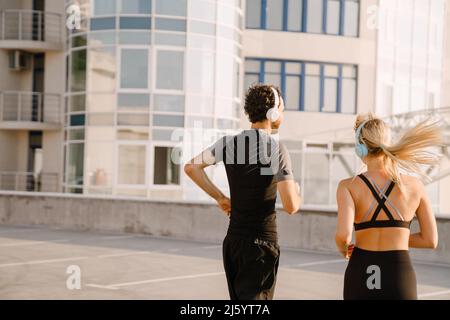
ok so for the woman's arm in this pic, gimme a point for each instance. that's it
(428, 235)
(346, 216)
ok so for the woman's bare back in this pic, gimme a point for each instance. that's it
(402, 203)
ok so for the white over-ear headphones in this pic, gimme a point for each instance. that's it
(273, 114)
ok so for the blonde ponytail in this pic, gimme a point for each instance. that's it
(410, 153)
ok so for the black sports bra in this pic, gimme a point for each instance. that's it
(373, 222)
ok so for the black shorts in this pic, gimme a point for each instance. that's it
(386, 275)
(251, 266)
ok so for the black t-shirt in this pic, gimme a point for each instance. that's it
(254, 163)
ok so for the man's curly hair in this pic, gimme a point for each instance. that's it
(258, 100)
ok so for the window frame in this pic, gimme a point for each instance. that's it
(149, 69)
(304, 17)
(303, 75)
(152, 145)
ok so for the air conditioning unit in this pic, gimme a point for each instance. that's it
(19, 60)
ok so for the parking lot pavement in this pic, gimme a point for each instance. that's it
(43, 263)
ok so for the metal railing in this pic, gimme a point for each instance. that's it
(28, 181)
(321, 160)
(30, 25)
(30, 106)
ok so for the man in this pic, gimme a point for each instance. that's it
(257, 165)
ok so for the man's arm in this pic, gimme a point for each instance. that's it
(195, 169)
(288, 189)
(289, 192)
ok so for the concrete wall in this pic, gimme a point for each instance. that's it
(14, 80)
(15, 145)
(309, 230)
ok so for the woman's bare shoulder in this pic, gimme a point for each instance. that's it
(411, 182)
(346, 183)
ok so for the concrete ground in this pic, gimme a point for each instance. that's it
(34, 262)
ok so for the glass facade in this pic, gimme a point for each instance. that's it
(138, 71)
(333, 17)
(409, 68)
(307, 86)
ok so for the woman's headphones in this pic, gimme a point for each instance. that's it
(360, 148)
(273, 114)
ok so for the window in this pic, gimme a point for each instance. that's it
(104, 7)
(274, 13)
(307, 86)
(133, 100)
(169, 73)
(77, 120)
(78, 71)
(171, 7)
(253, 14)
(74, 173)
(134, 68)
(312, 93)
(170, 24)
(168, 103)
(331, 73)
(273, 73)
(292, 101)
(76, 134)
(351, 18)
(103, 23)
(162, 135)
(249, 80)
(348, 103)
(79, 41)
(136, 6)
(293, 80)
(134, 37)
(335, 17)
(168, 121)
(102, 38)
(77, 103)
(131, 164)
(295, 12)
(166, 170)
(252, 73)
(135, 23)
(315, 16)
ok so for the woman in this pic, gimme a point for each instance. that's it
(380, 203)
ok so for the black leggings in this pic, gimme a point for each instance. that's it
(385, 275)
(251, 266)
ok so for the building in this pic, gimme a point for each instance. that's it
(31, 94)
(138, 70)
(122, 77)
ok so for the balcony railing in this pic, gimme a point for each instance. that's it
(30, 106)
(30, 25)
(28, 181)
